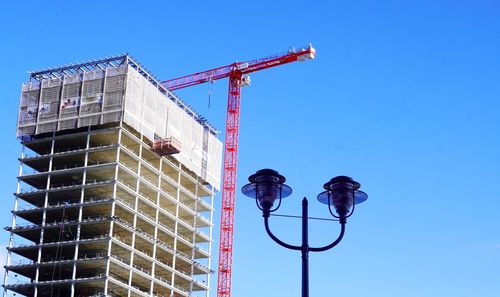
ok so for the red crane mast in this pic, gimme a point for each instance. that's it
(237, 73)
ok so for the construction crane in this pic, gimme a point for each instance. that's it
(238, 77)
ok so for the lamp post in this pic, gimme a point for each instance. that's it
(267, 186)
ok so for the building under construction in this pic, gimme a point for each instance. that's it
(115, 188)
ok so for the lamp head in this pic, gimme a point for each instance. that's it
(266, 185)
(342, 192)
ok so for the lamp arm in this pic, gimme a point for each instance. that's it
(331, 245)
(276, 239)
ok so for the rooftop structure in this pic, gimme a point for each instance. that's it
(115, 188)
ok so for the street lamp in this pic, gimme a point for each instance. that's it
(267, 186)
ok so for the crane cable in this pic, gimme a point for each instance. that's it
(211, 82)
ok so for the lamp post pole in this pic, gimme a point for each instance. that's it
(342, 192)
(305, 248)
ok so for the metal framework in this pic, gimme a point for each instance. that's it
(236, 73)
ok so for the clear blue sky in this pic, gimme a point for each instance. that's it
(403, 96)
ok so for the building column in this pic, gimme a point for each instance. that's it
(113, 205)
(80, 212)
(157, 218)
(210, 242)
(176, 224)
(134, 223)
(44, 215)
